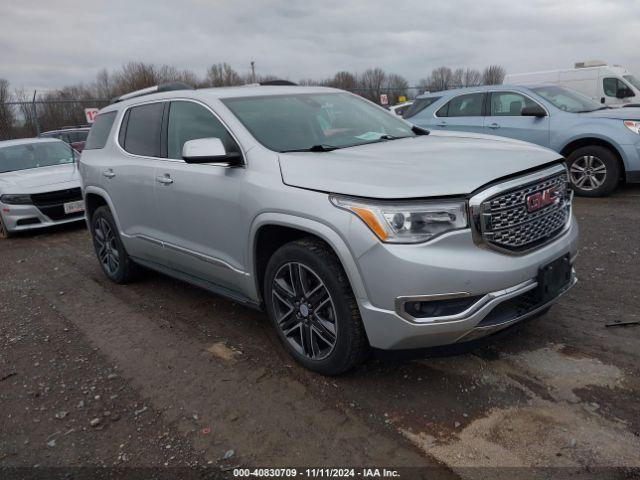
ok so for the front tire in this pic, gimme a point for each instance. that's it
(114, 260)
(594, 171)
(309, 300)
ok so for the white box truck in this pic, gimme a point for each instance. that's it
(612, 85)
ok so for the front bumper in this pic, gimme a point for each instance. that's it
(17, 218)
(447, 266)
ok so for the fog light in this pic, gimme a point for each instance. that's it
(440, 308)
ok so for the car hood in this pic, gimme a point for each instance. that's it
(440, 164)
(37, 180)
(626, 113)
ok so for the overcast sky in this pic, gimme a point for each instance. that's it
(49, 44)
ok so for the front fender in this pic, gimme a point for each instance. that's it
(321, 230)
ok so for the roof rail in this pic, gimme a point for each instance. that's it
(165, 87)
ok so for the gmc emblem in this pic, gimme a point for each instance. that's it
(541, 199)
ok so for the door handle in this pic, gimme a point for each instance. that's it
(441, 124)
(494, 125)
(166, 180)
(109, 173)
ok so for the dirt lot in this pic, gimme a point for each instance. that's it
(162, 374)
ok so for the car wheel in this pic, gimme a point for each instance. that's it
(594, 171)
(310, 302)
(113, 258)
(4, 232)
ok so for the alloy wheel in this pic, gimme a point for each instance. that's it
(588, 172)
(304, 310)
(106, 246)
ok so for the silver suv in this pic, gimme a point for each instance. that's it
(352, 228)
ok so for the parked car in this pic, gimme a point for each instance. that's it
(400, 108)
(601, 144)
(612, 85)
(39, 185)
(350, 227)
(74, 136)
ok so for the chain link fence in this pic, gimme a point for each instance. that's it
(24, 119)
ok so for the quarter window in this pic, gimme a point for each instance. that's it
(100, 131)
(463, 106)
(142, 135)
(509, 104)
(190, 121)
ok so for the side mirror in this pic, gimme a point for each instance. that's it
(533, 111)
(208, 150)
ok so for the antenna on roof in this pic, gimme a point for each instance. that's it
(165, 87)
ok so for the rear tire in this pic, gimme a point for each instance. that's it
(114, 260)
(4, 233)
(594, 171)
(309, 300)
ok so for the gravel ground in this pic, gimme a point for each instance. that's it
(160, 374)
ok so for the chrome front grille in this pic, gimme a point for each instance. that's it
(523, 214)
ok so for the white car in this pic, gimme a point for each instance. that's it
(400, 108)
(39, 185)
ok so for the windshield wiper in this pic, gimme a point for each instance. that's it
(313, 148)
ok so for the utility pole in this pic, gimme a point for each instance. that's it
(253, 71)
(34, 111)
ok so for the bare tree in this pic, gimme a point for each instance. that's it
(441, 78)
(7, 116)
(222, 75)
(493, 75)
(371, 83)
(457, 78)
(397, 86)
(344, 80)
(471, 78)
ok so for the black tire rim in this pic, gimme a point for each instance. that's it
(588, 172)
(106, 246)
(304, 311)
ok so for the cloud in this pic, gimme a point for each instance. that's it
(47, 45)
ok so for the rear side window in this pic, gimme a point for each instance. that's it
(419, 105)
(100, 131)
(463, 106)
(142, 135)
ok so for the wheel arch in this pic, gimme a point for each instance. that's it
(577, 143)
(95, 198)
(270, 231)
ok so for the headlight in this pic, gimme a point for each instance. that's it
(16, 199)
(633, 125)
(407, 222)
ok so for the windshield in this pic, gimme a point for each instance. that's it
(34, 155)
(567, 100)
(632, 80)
(322, 120)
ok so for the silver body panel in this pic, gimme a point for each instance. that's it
(203, 225)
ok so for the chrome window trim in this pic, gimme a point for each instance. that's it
(169, 100)
(476, 213)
